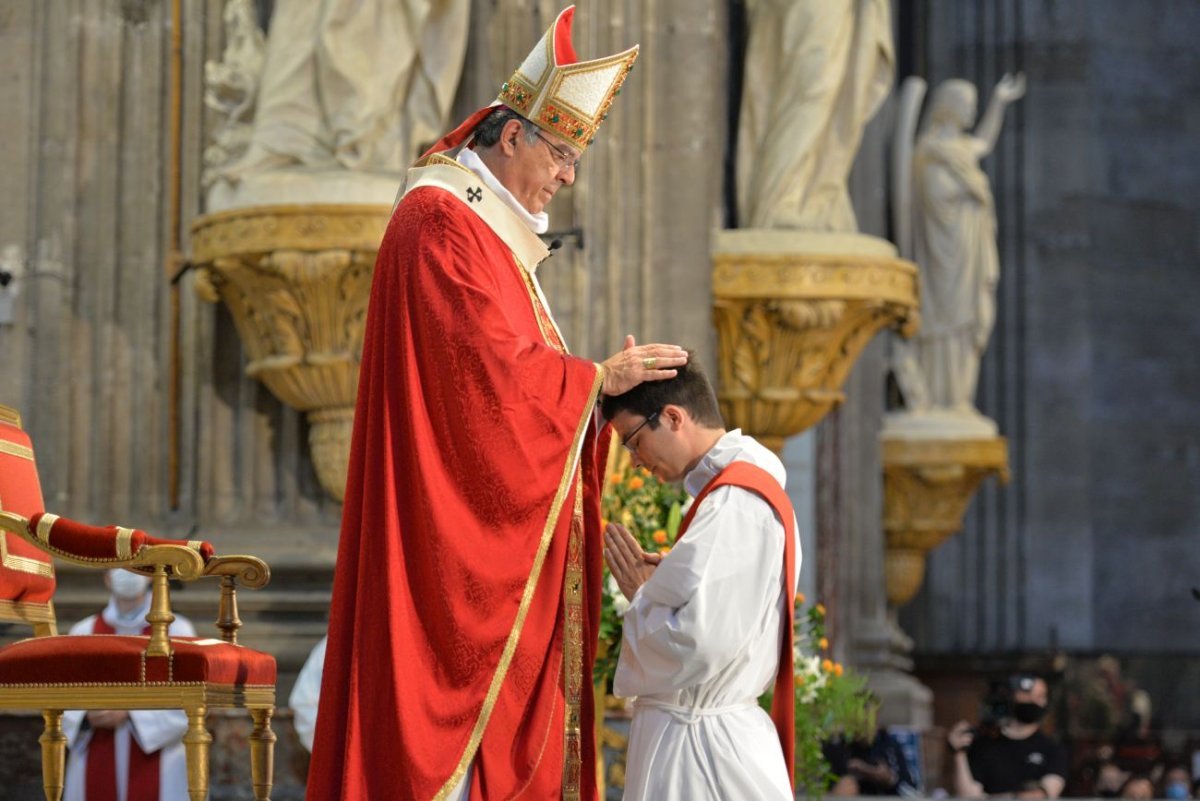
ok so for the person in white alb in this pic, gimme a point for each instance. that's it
(709, 624)
(120, 755)
(306, 694)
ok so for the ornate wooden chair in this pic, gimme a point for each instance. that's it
(52, 673)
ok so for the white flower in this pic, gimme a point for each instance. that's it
(809, 677)
(619, 601)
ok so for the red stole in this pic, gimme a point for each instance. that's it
(757, 480)
(448, 637)
(101, 773)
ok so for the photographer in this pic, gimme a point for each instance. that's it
(1018, 758)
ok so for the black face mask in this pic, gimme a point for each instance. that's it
(1026, 712)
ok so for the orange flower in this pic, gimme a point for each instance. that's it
(837, 669)
(643, 471)
(820, 608)
(800, 598)
(664, 550)
(824, 643)
(604, 522)
(636, 482)
(659, 536)
(615, 478)
(827, 665)
(799, 679)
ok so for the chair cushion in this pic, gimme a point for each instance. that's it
(26, 572)
(119, 659)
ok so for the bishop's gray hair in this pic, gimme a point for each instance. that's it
(487, 133)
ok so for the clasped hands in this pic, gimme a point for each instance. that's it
(630, 565)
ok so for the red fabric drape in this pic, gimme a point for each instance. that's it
(100, 776)
(465, 430)
(783, 701)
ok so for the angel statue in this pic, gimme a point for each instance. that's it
(945, 220)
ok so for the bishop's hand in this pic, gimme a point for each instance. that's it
(630, 565)
(637, 363)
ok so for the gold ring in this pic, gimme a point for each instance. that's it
(649, 362)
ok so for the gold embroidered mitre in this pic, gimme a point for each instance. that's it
(561, 94)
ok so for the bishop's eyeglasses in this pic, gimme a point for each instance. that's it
(565, 158)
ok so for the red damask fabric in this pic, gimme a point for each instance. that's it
(466, 427)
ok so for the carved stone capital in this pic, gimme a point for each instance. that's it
(791, 320)
(927, 486)
(296, 280)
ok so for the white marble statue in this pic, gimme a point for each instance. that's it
(348, 87)
(231, 87)
(953, 240)
(815, 73)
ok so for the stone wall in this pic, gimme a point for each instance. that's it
(1092, 371)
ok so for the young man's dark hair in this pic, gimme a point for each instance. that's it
(689, 389)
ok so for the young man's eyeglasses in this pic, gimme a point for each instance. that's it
(565, 158)
(628, 443)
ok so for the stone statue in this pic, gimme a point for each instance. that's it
(231, 87)
(347, 86)
(816, 71)
(952, 238)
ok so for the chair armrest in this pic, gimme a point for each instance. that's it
(253, 573)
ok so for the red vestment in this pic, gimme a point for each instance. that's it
(101, 773)
(473, 434)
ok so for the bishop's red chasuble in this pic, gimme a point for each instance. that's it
(466, 596)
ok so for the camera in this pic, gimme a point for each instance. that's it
(998, 703)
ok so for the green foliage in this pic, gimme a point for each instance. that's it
(651, 510)
(830, 700)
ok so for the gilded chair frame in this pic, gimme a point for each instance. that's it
(160, 562)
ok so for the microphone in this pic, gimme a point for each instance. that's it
(555, 244)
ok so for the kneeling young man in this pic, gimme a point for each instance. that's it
(709, 627)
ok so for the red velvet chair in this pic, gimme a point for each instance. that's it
(52, 673)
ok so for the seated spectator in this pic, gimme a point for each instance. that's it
(1109, 780)
(1177, 783)
(1138, 787)
(1019, 758)
(862, 768)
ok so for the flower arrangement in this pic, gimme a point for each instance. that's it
(652, 511)
(830, 700)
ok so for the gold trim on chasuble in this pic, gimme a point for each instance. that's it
(573, 651)
(518, 241)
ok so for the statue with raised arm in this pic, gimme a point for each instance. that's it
(348, 87)
(946, 222)
(816, 71)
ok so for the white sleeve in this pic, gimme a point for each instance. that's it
(155, 729)
(306, 694)
(706, 600)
